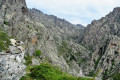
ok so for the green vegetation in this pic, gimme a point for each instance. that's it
(116, 76)
(90, 48)
(46, 71)
(4, 40)
(105, 74)
(91, 73)
(66, 52)
(96, 63)
(37, 53)
(63, 48)
(28, 59)
(72, 57)
(6, 23)
(82, 60)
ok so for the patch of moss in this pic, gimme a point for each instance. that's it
(4, 40)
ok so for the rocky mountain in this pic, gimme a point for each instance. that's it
(53, 21)
(102, 38)
(81, 51)
(101, 30)
(53, 36)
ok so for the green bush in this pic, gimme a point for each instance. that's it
(26, 78)
(45, 72)
(38, 53)
(48, 72)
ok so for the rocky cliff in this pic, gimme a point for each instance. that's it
(90, 51)
(102, 38)
(51, 35)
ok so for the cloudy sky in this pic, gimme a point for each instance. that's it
(75, 11)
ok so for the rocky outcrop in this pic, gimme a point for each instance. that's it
(11, 63)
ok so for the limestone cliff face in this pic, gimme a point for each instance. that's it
(43, 32)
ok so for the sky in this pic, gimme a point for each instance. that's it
(75, 11)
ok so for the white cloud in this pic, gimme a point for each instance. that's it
(75, 11)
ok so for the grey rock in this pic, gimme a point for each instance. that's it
(10, 69)
(35, 61)
(14, 50)
(11, 64)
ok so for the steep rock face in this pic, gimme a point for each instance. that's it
(65, 28)
(107, 59)
(40, 33)
(101, 30)
(102, 37)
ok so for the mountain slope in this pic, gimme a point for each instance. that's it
(52, 36)
(101, 30)
(102, 38)
(59, 41)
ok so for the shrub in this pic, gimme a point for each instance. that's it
(26, 78)
(28, 59)
(38, 53)
(116, 76)
(46, 71)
